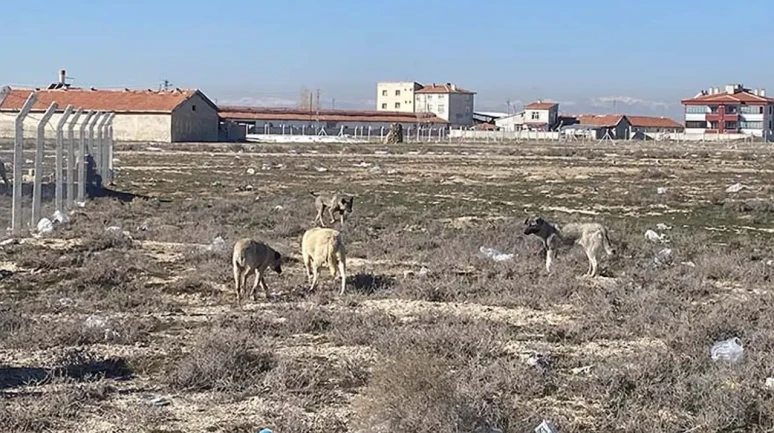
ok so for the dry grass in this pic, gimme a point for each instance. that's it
(94, 323)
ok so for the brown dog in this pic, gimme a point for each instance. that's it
(336, 204)
(253, 257)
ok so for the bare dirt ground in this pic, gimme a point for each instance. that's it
(104, 331)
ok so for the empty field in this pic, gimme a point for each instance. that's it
(104, 331)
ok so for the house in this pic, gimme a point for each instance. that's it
(263, 120)
(594, 126)
(541, 116)
(643, 127)
(141, 115)
(736, 110)
(514, 122)
(396, 96)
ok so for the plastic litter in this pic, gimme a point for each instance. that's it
(45, 226)
(770, 382)
(663, 257)
(546, 427)
(250, 171)
(495, 254)
(655, 237)
(661, 190)
(60, 218)
(218, 244)
(735, 187)
(730, 350)
(662, 226)
(423, 272)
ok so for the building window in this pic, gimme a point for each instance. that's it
(729, 125)
(397, 93)
(441, 108)
(441, 96)
(397, 105)
(732, 109)
(429, 96)
(384, 93)
(430, 108)
(713, 124)
(193, 107)
(384, 106)
(751, 109)
(535, 115)
(713, 109)
(696, 109)
(751, 125)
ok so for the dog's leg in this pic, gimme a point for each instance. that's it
(265, 287)
(319, 216)
(550, 254)
(343, 272)
(592, 250)
(256, 281)
(342, 218)
(333, 218)
(308, 267)
(237, 283)
(315, 276)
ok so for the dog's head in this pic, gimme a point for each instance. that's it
(276, 263)
(345, 204)
(533, 225)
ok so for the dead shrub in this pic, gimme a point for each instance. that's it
(223, 360)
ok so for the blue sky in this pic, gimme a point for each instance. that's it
(646, 55)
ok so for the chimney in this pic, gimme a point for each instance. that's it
(62, 75)
(730, 89)
(755, 92)
(454, 87)
(762, 92)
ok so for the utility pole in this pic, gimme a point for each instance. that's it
(165, 85)
(333, 103)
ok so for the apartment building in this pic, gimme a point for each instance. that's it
(396, 96)
(735, 110)
(447, 101)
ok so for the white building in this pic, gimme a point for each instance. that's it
(447, 101)
(396, 96)
(536, 116)
(736, 110)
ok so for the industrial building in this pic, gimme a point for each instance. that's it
(734, 110)
(262, 120)
(141, 115)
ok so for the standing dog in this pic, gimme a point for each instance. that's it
(336, 204)
(253, 257)
(591, 236)
(321, 246)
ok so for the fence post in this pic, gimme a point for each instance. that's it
(82, 155)
(39, 151)
(71, 159)
(59, 156)
(18, 163)
(109, 151)
(97, 152)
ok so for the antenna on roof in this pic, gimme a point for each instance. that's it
(165, 85)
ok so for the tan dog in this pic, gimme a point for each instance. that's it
(591, 236)
(336, 204)
(324, 246)
(253, 257)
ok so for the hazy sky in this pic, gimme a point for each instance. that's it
(646, 55)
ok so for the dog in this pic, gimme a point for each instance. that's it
(321, 246)
(591, 236)
(254, 257)
(336, 204)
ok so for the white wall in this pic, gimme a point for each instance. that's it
(511, 123)
(309, 126)
(405, 99)
(126, 127)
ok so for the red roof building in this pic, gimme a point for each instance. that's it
(734, 110)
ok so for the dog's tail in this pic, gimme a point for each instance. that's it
(607, 244)
(313, 194)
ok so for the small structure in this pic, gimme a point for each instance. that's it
(541, 116)
(599, 127)
(648, 127)
(395, 135)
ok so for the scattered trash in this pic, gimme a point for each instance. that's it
(97, 322)
(540, 361)
(735, 187)
(375, 169)
(423, 272)
(66, 302)
(586, 369)
(663, 257)
(495, 254)
(145, 227)
(730, 350)
(770, 382)
(80, 203)
(770, 263)
(217, 183)
(218, 244)
(661, 190)
(60, 218)
(689, 264)
(362, 164)
(251, 171)
(6, 242)
(152, 149)
(159, 401)
(265, 167)
(265, 431)
(380, 152)
(321, 169)
(546, 427)
(278, 208)
(662, 226)
(392, 171)
(45, 226)
(655, 237)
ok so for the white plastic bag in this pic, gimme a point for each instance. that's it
(730, 350)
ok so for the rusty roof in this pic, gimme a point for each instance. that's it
(325, 115)
(601, 120)
(540, 105)
(443, 88)
(119, 101)
(653, 122)
(738, 97)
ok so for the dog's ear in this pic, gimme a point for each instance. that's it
(539, 221)
(277, 255)
(526, 222)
